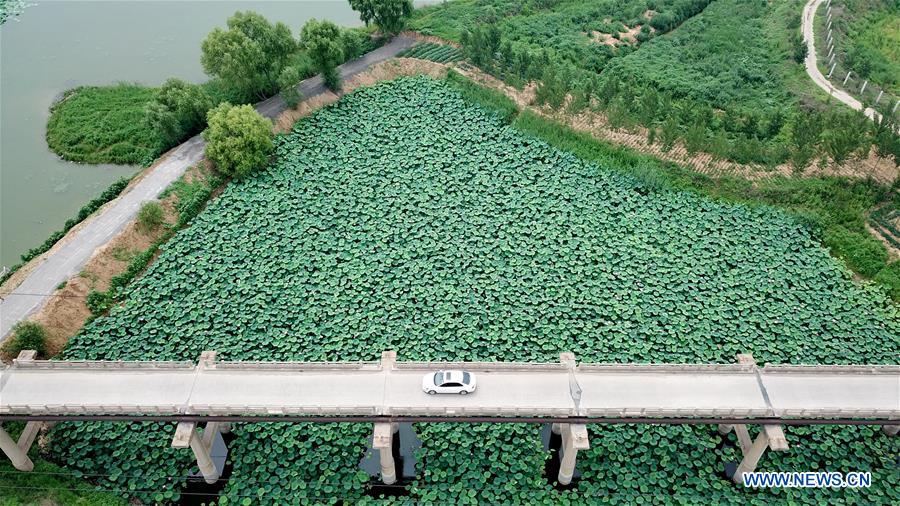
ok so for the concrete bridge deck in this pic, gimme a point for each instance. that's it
(393, 389)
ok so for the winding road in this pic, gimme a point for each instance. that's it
(812, 68)
(34, 290)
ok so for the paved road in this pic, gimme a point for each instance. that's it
(31, 294)
(812, 68)
(563, 389)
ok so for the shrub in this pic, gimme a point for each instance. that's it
(863, 253)
(28, 336)
(150, 216)
(178, 110)
(239, 139)
(98, 302)
(890, 278)
(287, 82)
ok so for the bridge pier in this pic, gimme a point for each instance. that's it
(383, 441)
(574, 438)
(187, 436)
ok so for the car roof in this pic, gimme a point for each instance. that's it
(453, 375)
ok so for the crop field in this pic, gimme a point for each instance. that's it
(440, 53)
(403, 217)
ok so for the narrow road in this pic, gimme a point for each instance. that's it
(812, 68)
(31, 294)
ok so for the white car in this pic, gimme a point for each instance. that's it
(448, 382)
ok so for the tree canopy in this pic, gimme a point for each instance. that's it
(389, 15)
(250, 55)
(178, 109)
(323, 42)
(239, 139)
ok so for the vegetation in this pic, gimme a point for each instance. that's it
(872, 32)
(27, 336)
(239, 139)
(110, 193)
(250, 55)
(10, 9)
(720, 78)
(150, 216)
(288, 85)
(322, 42)
(49, 484)
(104, 125)
(402, 215)
(440, 53)
(389, 15)
(178, 110)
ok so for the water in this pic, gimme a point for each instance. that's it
(57, 45)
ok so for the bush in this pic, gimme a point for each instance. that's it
(863, 253)
(287, 82)
(178, 110)
(99, 302)
(28, 336)
(890, 278)
(150, 216)
(239, 139)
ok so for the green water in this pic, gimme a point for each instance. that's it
(56, 45)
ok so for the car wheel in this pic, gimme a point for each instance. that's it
(431, 392)
(464, 392)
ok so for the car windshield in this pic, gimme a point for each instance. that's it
(438, 378)
(466, 378)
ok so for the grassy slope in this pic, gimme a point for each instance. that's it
(366, 233)
(104, 125)
(720, 57)
(874, 41)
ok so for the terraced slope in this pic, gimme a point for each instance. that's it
(403, 218)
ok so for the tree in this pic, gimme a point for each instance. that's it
(324, 45)
(178, 109)
(250, 55)
(239, 139)
(389, 15)
(287, 84)
(27, 336)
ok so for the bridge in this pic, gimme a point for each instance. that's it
(566, 394)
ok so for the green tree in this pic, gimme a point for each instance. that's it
(239, 139)
(389, 15)
(27, 336)
(324, 45)
(250, 55)
(178, 109)
(287, 82)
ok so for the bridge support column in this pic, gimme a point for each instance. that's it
(574, 438)
(186, 436)
(890, 430)
(18, 451)
(383, 441)
(770, 436)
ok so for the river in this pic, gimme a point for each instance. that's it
(56, 45)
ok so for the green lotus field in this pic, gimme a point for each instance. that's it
(403, 218)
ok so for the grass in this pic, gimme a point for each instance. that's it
(104, 124)
(47, 484)
(873, 38)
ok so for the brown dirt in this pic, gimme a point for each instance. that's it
(430, 38)
(602, 38)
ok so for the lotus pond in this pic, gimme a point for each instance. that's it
(404, 218)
